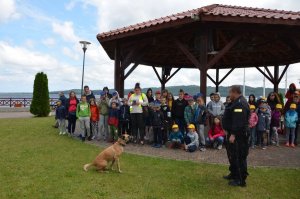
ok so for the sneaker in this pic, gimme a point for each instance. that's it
(219, 147)
(277, 144)
(287, 144)
(158, 146)
(202, 149)
(60, 133)
(293, 145)
(64, 133)
(93, 137)
(263, 148)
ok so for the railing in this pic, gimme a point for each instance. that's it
(23, 102)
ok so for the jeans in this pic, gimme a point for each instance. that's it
(181, 123)
(262, 138)
(275, 133)
(62, 125)
(157, 135)
(104, 126)
(72, 122)
(219, 141)
(200, 131)
(138, 125)
(85, 126)
(290, 132)
(253, 136)
(95, 129)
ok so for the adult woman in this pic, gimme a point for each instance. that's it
(170, 100)
(136, 102)
(252, 100)
(149, 95)
(272, 100)
(164, 93)
(71, 105)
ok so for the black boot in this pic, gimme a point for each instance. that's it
(82, 139)
(229, 177)
(236, 183)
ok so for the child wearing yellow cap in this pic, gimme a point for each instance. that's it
(275, 122)
(291, 119)
(191, 139)
(253, 119)
(175, 139)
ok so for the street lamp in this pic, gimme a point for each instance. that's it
(84, 45)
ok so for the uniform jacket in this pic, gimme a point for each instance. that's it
(236, 117)
(291, 119)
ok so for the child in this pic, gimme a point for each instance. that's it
(252, 125)
(291, 119)
(275, 122)
(191, 139)
(178, 111)
(216, 108)
(157, 97)
(60, 116)
(263, 126)
(167, 118)
(156, 119)
(175, 138)
(83, 112)
(116, 98)
(189, 111)
(200, 120)
(94, 119)
(216, 134)
(113, 120)
(103, 107)
(124, 118)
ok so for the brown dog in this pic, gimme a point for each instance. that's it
(110, 154)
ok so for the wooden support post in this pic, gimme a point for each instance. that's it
(217, 79)
(118, 81)
(276, 78)
(203, 61)
(163, 79)
(203, 84)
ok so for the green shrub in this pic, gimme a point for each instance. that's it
(40, 101)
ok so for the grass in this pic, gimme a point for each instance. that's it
(37, 163)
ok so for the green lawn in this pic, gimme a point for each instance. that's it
(37, 163)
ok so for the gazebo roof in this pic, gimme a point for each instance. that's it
(235, 36)
(214, 12)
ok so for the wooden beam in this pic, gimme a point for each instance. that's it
(117, 72)
(283, 72)
(131, 70)
(264, 74)
(211, 79)
(269, 72)
(159, 78)
(134, 55)
(222, 52)
(227, 74)
(276, 77)
(187, 53)
(170, 77)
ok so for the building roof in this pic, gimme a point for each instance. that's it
(214, 12)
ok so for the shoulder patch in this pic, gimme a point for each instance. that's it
(238, 110)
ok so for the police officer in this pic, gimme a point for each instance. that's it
(235, 122)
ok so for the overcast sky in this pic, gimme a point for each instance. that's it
(43, 35)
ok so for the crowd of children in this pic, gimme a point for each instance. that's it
(164, 121)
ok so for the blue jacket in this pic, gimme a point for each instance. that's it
(291, 119)
(263, 123)
(63, 100)
(176, 136)
(200, 115)
(60, 113)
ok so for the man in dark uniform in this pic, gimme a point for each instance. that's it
(235, 122)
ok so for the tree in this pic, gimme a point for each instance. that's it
(40, 102)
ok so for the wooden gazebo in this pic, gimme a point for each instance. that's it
(212, 37)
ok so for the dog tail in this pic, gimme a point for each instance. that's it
(87, 166)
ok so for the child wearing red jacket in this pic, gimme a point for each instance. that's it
(216, 134)
(94, 118)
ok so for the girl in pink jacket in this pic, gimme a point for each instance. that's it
(252, 125)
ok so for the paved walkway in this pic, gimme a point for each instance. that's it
(273, 156)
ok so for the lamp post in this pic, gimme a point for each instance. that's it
(84, 45)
